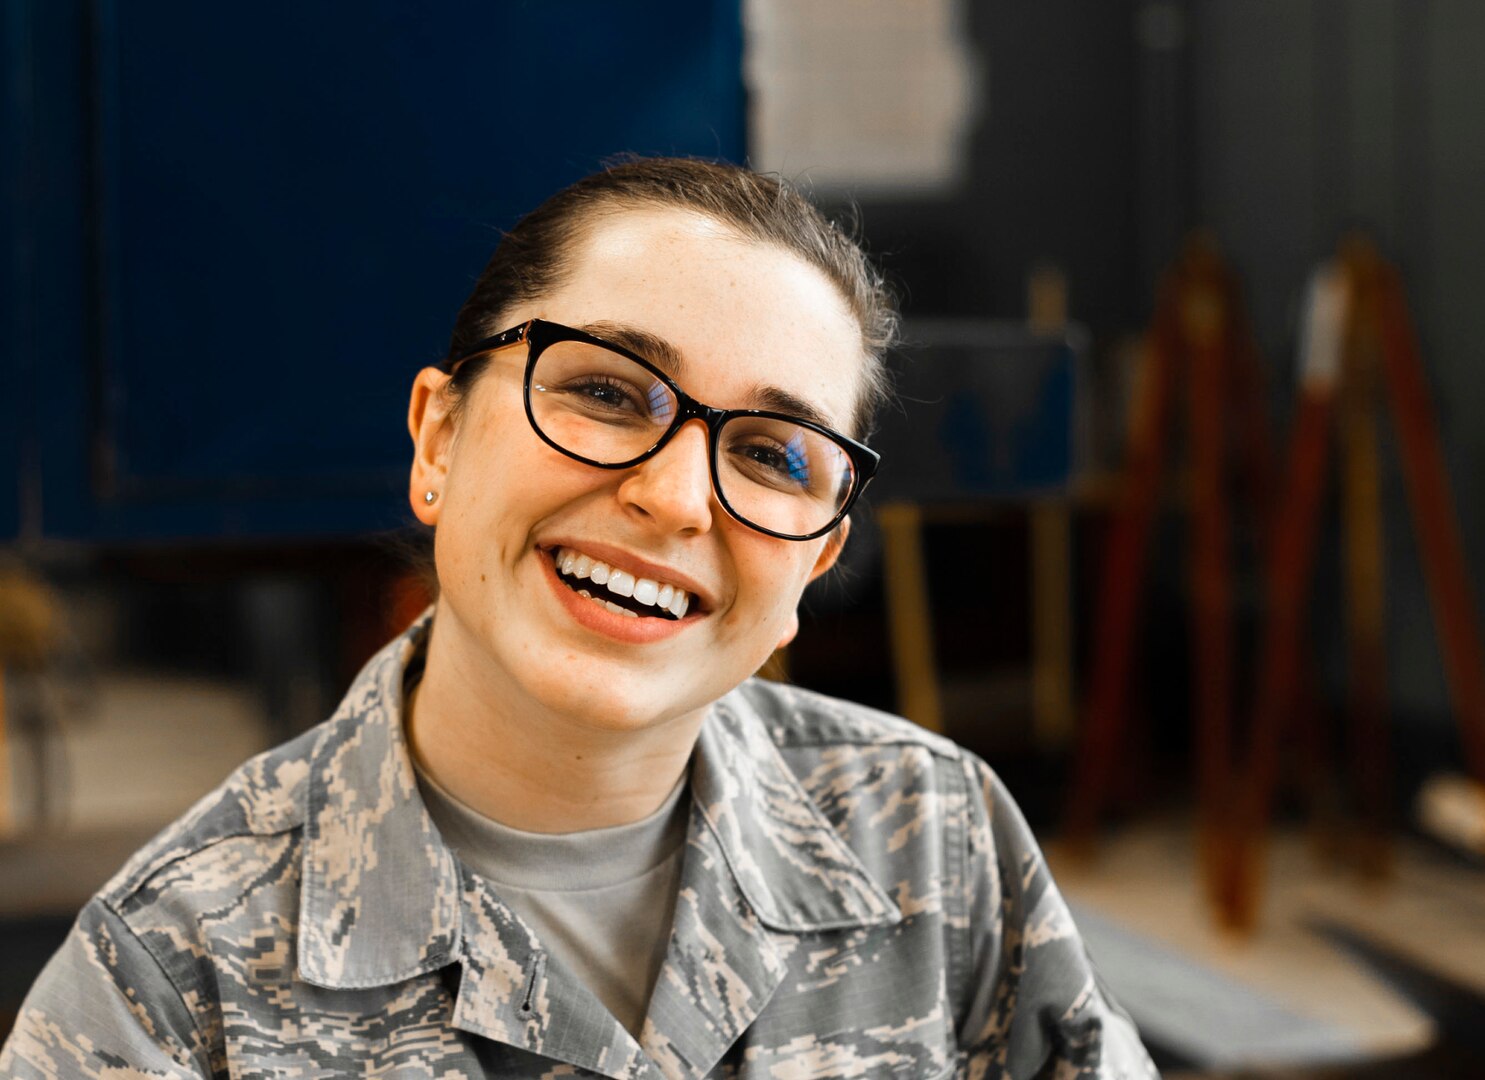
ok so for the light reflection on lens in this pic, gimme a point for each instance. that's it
(662, 404)
(794, 453)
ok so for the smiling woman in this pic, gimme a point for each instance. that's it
(556, 828)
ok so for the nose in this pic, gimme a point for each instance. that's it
(673, 489)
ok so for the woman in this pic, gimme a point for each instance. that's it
(555, 829)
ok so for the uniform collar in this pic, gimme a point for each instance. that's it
(764, 870)
(379, 900)
(382, 898)
(791, 864)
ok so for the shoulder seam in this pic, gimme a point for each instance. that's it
(125, 891)
(944, 749)
(169, 978)
(886, 729)
(960, 958)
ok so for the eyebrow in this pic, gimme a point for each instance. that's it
(652, 347)
(667, 358)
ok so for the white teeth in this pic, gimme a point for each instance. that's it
(617, 610)
(574, 564)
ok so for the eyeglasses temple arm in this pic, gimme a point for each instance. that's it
(501, 340)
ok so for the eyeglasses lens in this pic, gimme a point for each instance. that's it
(600, 405)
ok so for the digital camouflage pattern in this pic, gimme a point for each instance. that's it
(859, 898)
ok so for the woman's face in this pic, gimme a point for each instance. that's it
(744, 321)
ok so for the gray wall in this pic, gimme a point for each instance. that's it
(1052, 171)
(1311, 115)
(1110, 127)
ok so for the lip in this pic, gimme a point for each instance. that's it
(640, 631)
(639, 567)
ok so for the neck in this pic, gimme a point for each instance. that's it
(527, 767)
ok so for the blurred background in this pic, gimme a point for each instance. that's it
(1177, 521)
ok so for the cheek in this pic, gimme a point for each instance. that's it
(487, 497)
(456, 553)
(500, 467)
(775, 581)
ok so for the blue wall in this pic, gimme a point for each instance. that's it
(233, 239)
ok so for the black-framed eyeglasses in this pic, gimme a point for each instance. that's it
(605, 406)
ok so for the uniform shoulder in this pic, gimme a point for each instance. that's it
(262, 797)
(796, 717)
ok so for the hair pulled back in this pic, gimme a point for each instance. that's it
(535, 255)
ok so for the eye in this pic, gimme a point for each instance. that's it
(767, 457)
(772, 463)
(604, 394)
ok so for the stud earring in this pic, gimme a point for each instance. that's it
(430, 496)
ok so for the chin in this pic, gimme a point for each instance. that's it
(613, 701)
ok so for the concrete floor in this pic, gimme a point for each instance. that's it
(1293, 994)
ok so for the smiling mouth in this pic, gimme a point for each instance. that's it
(618, 590)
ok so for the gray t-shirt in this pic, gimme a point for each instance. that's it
(600, 901)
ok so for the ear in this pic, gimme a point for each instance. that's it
(828, 554)
(432, 431)
(831, 551)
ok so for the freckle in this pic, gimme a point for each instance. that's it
(482, 577)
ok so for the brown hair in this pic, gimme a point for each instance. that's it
(534, 256)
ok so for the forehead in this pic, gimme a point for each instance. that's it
(741, 315)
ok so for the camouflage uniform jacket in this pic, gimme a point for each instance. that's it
(859, 898)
